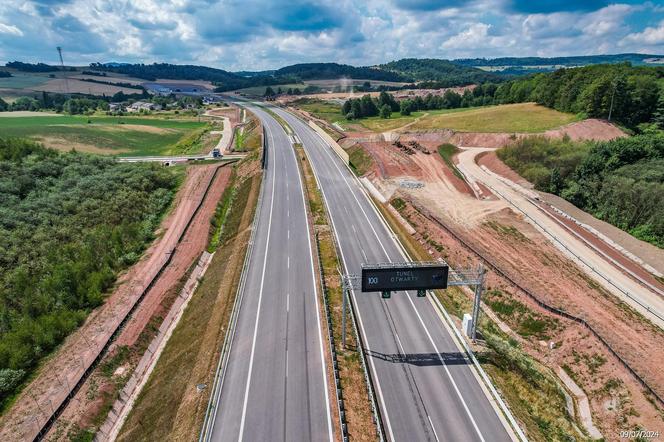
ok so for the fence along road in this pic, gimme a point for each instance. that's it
(425, 387)
(274, 386)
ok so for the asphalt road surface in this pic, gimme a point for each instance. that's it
(274, 387)
(426, 389)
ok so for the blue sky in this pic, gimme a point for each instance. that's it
(256, 35)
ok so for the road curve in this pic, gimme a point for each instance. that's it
(426, 388)
(274, 386)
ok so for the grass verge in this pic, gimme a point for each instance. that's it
(170, 406)
(360, 161)
(447, 151)
(359, 417)
(249, 137)
(330, 112)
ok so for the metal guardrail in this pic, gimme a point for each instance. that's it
(335, 363)
(335, 367)
(209, 418)
(543, 304)
(377, 418)
(58, 411)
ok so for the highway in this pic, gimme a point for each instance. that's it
(274, 386)
(425, 387)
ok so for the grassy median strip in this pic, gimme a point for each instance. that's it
(172, 404)
(359, 416)
(531, 390)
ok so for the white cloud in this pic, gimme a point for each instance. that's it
(650, 36)
(10, 29)
(473, 36)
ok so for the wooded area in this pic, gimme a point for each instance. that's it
(69, 222)
(619, 181)
(631, 96)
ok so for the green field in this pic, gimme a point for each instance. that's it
(397, 120)
(129, 136)
(522, 118)
(324, 110)
(22, 81)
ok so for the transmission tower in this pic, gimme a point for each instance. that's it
(64, 72)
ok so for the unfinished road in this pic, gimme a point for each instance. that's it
(645, 300)
(426, 388)
(273, 385)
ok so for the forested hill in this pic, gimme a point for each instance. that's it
(442, 72)
(430, 69)
(224, 80)
(582, 60)
(626, 94)
(326, 71)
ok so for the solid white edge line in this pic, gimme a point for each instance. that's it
(313, 279)
(260, 298)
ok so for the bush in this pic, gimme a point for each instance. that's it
(619, 181)
(9, 380)
(69, 223)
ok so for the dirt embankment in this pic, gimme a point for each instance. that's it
(192, 245)
(61, 372)
(617, 399)
(232, 113)
(171, 405)
(591, 129)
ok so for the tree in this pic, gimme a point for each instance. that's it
(385, 98)
(345, 108)
(555, 181)
(406, 106)
(368, 107)
(356, 109)
(269, 92)
(658, 115)
(385, 111)
(3, 105)
(25, 104)
(119, 97)
(451, 100)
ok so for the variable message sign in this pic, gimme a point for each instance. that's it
(381, 278)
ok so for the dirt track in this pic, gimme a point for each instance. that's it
(51, 386)
(592, 262)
